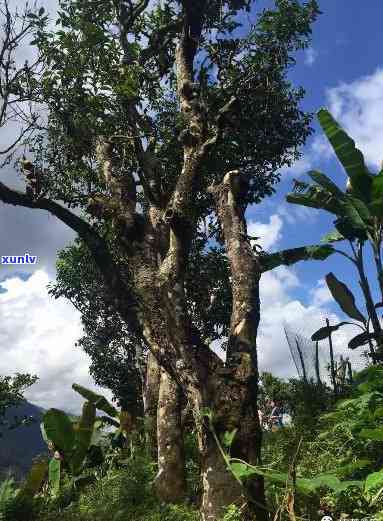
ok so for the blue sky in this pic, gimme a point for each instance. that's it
(343, 70)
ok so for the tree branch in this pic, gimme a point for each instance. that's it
(125, 301)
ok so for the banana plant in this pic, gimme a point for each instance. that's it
(70, 442)
(358, 212)
(122, 420)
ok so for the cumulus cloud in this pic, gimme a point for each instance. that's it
(37, 336)
(269, 233)
(280, 308)
(358, 106)
(320, 294)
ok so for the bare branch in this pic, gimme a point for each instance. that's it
(126, 303)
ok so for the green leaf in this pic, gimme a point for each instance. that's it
(325, 481)
(360, 340)
(242, 471)
(374, 480)
(376, 205)
(55, 475)
(324, 332)
(350, 157)
(293, 255)
(360, 207)
(83, 437)
(344, 297)
(333, 236)
(350, 468)
(228, 438)
(277, 477)
(59, 430)
(353, 219)
(316, 197)
(326, 183)
(98, 400)
(372, 434)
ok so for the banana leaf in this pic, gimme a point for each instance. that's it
(59, 429)
(360, 340)
(326, 183)
(344, 298)
(293, 255)
(333, 236)
(324, 332)
(350, 157)
(316, 197)
(353, 219)
(54, 475)
(376, 205)
(83, 437)
(98, 400)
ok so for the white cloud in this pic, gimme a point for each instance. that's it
(321, 294)
(316, 152)
(269, 233)
(38, 335)
(311, 56)
(358, 106)
(278, 307)
(292, 213)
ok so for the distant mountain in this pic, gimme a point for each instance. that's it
(19, 446)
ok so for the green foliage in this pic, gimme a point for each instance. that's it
(59, 429)
(35, 478)
(325, 332)
(99, 401)
(71, 442)
(12, 390)
(351, 158)
(339, 464)
(55, 475)
(344, 297)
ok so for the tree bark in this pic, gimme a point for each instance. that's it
(235, 396)
(151, 394)
(170, 482)
(220, 488)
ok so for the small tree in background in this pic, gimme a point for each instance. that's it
(12, 390)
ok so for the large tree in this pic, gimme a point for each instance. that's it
(166, 120)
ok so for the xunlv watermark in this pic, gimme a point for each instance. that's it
(19, 259)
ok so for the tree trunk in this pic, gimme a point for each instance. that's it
(151, 394)
(170, 482)
(220, 489)
(232, 409)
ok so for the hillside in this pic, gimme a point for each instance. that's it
(19, 446)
